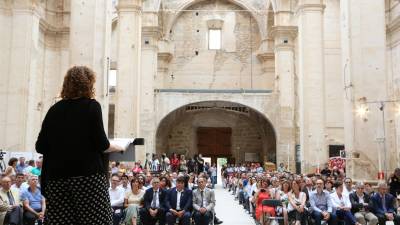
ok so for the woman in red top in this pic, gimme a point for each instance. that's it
(137, 168)
(174, 162)
(261, 194)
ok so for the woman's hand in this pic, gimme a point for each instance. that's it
(114, 148)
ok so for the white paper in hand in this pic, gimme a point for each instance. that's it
(128, 155)
(122, 142)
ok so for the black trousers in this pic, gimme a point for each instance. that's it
(202, 219)
(30, 218)
(382, 219)
(118, 214)
(15, 216)
(147, 219)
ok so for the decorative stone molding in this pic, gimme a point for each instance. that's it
(266, 56)
(164, 55)
(53, 30)
(129, 6)
(150, 35)
(283, 31)
(284, 36)
(310, 8)
(215, 24)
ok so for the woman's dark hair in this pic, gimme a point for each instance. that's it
(134, 179)
(288, 183)
(337, 184)
(297, 182)
(267, 181)
(78, 82)
(329, 181)
(167, 181)
(12, 161)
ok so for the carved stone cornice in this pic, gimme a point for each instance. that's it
(163, 60)
(129, 6)
(151, 31)
(310, 8)
(266, 56)
(52, 30)
(283, 31)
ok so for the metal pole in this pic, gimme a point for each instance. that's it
(382, 108)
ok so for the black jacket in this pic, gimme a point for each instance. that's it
(72, 140)
(148, 198)
(356, 206)
(185, 200)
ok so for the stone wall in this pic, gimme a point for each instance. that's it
(234, 66)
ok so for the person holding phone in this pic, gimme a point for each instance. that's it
(72, 133)
(263, 193)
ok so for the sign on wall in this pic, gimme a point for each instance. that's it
(251, 157)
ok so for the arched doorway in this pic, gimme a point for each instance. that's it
(217, 129)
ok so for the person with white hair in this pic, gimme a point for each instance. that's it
(154, 204)
(360, 206)
(33, 201)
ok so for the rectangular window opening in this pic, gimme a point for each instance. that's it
(112, 80)
(214, 39)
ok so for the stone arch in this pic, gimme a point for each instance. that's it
(241, 3)
(219, 113)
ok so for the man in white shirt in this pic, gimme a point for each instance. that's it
(179, 203)
(20, 182)
(348, 186)
(117, 195)
(125, 183)
(342, 204)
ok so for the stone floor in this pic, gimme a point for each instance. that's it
(229, 210)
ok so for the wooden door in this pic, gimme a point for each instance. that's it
(214, 141)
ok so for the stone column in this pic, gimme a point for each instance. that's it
(128, 69)
(89, 43)
(147, 126)
(284, 70)
(363, 35)
(21, 114)
(311, 83)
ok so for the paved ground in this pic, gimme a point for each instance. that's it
(229, 210)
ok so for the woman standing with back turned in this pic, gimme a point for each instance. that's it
(73, 142)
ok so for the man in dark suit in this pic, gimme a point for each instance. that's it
(383, 205)
(179, 203)
(154, 205)
(361, 207)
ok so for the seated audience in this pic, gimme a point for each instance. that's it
(321, 205)
(34, 202)
(154, 204)
(383, 205)
(133, 202)
(348, 186)
(117, 195)
(203, 203)
(341, 203)
(11, 199)
(360, 206)
(262, 193)
(125, 183)
(297, 204)
(20, 183)
(282, 194)
(179, 203)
